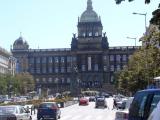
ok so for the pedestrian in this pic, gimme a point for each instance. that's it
(114, 104)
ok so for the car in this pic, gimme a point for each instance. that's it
(122, 114)
(92, 99)
(83, 101)
(143, 104)
(101, 102)
(155, 113)
(121, 103)
(48, 110)
(14, 112)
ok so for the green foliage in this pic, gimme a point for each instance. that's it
(119, 1)
(143, 65)
(18, 84)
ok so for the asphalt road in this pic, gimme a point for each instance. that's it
(89, 112)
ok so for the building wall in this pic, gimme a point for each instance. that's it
(89, 64)
(7, 62)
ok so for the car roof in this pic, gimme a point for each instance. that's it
(150, 90)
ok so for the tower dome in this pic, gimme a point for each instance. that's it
(89, 15)
(18, 41)
(20, 44)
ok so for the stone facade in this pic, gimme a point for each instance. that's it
(7, 62)
(89, 64)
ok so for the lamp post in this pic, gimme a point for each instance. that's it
(145, 15)
(133, 39)
(146, 64)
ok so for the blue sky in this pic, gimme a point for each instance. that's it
(50, 23)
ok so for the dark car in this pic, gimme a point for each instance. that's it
(100, 102)
(48, 110)
(143, 104)
(92, 99)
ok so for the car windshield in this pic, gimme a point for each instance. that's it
(47, 105)
(4, 110)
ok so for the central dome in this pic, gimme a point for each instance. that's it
(89, 15)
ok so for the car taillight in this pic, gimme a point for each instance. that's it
(125, 116)
(11, 118)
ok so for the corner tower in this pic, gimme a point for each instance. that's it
(89, 31)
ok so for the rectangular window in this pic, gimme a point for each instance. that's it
(37, 70)
(118, 58)
(124, 57)
(68, 80)
(56, 60)
(62, 59)
(56, 70)
(62, 69)
(44, 60)
(112, 68)
(96, 67)
(83, 68)
(37, 60)
(111, 57)
(44, 70)
(105, 68)
(118, 67)
(68, 59)
(50, 60)
(50, 69)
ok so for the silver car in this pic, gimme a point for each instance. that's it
(14, 112)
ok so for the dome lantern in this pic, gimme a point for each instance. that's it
(89, 15)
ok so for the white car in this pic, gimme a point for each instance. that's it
(122, 114)
(14, 112)
(155, 115)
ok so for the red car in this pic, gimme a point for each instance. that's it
(83, 101)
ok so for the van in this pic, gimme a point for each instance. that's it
(143, 104)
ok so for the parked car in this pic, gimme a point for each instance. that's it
(121, 103)
(83, 101)
(155, 113)
(101, 102)
(48, 110)
(143, 104)
(14, 112)
(123, 113)
(92, 99)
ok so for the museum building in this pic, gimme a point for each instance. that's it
(90, 63)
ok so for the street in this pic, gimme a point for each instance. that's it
(76, 112)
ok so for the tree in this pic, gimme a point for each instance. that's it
(24, 83)
(119, 1)
(143, 65)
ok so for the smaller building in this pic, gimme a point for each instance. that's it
(7, 62)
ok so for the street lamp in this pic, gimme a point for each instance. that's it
(144, 14)
(146, 64)
(132, 38)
